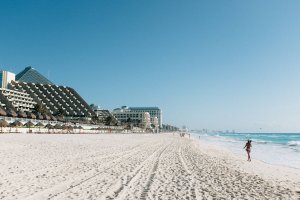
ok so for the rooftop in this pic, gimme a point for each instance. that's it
(30, 75)
(144, 108)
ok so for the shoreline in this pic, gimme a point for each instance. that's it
(133, 166)
(256, 166)
(296, 133)
(268, 149)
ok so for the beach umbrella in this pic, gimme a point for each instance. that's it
(39, 116)
(2, 112)
(57, 126)
(29, 124)
(3, 123)
(70, 127)
(47, 117)
(22, 114)
(39, 124)
(64, 127)
(53, 118)
(49, 126)
(16, 123)
(11, 113)
(30, 115)
(59, 118)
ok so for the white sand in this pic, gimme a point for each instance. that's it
(133, 167)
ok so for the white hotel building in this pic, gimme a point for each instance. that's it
(141, 118)
(154, 112)
(19, 99)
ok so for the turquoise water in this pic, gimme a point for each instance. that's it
(272, 148)
(289, 139)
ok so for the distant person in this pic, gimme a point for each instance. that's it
(248, 149)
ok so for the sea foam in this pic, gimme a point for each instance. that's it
(294, 143)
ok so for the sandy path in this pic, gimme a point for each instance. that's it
(125, 167)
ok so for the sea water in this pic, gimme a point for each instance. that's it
(273, 148)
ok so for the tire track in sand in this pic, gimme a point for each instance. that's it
(190, 177)
(65, 186)
(142, 175)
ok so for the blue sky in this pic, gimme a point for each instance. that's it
(206, 64)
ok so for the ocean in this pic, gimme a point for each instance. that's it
(273, 148)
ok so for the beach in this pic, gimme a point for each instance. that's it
(134, 166)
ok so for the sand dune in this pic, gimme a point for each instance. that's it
(131, 167)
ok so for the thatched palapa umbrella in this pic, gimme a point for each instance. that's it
(49, 126)
(21, 114)
(59, 118)
(3, 123)
(39, 124)
(11, 113)
(53, 118)
(64, 127)
(57, 126)
(2, 112)
(16, 124)
(29, 124)
(46, 117)
(39, 116)
(80, 128)
(30, 115)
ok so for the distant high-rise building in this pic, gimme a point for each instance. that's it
(30, 75)
(6, 77)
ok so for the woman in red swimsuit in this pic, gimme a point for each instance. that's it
(248, 149)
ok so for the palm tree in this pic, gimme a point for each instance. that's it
(95, 119)
(60, 112)
(40, 108)
(108, 120)
(28, 125)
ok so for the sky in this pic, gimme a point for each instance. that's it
(219, 65)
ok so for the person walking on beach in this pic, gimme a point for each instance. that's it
(248, 149)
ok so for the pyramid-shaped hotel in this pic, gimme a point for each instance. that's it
(22, 93)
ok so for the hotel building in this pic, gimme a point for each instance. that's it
(154, 112)
(21, 101)
(13, 99)
(6, 77)
(124, 115)
(28, 88)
